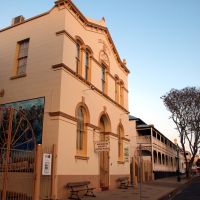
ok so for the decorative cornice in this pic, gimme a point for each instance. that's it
(126, 139)
(18, 76)
(72, 8)
(126, 90)
(92, 126)
(120, 162)
(62, 114)
(63, 66)
(64, 32)
(65, 115)
(116, 136)
(68, 4)
(82, 157)
(111, 134)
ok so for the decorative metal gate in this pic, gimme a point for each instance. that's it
(17, 155)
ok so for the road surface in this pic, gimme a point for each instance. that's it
(191, 192)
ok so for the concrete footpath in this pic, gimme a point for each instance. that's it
(161, 189)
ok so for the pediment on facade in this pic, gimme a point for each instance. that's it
(93, 25)
(104, 57)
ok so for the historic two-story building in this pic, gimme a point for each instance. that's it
(159, 155)
(65, 67)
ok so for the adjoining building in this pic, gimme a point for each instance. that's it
(63, 72)
(159, 155)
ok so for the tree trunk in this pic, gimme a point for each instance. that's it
(188, 169)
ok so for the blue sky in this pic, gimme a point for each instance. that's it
(160, 40)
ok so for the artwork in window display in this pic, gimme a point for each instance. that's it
(27, 123)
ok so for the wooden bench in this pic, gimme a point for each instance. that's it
(77, 187)
(123, 182)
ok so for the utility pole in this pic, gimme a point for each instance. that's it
(140, 170)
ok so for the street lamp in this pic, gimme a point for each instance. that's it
(178, 167)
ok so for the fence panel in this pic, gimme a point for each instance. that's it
(16, 175)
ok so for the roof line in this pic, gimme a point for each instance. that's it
(84, 20)
(26, 20)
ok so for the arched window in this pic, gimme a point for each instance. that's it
(80, 128)
(78, 57)
(103, 77)
(116, 88)
(88, 54)
(86, 64)
(79, 51)
(81, 138)
(121, 93)
(105, 66)
(120, 142)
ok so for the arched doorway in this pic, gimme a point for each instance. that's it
(104, 124)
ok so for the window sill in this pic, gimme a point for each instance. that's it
(81, 157)
(120, 162)
(18, 76)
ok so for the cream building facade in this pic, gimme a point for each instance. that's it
(71, 62)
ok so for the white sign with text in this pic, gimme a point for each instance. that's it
(46, 164)
(100, 146)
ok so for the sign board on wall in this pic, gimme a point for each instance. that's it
(100, 146)
(46, 164)
(126, 153)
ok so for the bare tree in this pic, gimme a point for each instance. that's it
(184, 106)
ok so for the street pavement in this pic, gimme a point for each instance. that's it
(161, 189)
(191, 192)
